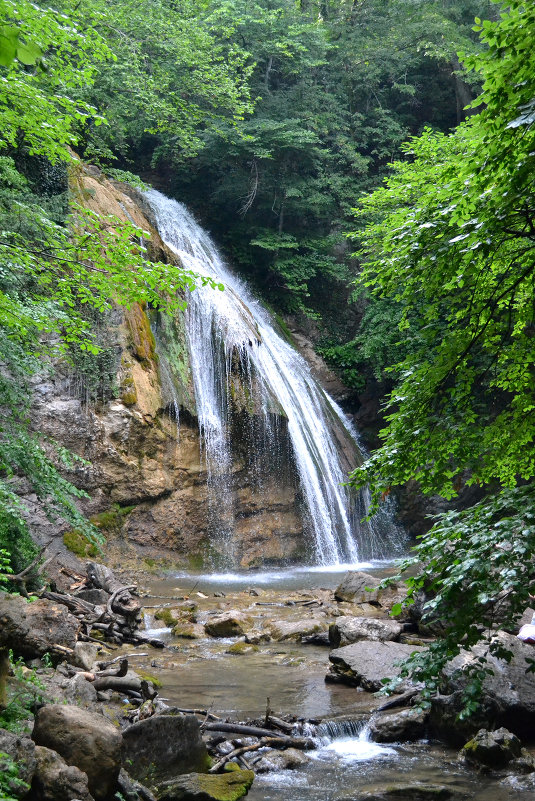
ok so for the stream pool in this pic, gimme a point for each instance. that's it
(201, 674)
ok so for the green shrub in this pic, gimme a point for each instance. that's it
(9, 779)
(25, 692)
(78, 544)
(19, 548)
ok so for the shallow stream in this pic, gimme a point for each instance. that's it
(200, 674)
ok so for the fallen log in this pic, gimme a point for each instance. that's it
(118, 683)
(123, 602)
(256, 731)
(399, 700)
(264, 742)
(172, 710)
(280, 724)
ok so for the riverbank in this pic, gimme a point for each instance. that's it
(251, 651)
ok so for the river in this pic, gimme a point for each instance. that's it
(346, 765)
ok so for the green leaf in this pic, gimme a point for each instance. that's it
(28, 53)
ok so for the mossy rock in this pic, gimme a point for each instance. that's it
(78, 544)
(241, 647)
(189, 631)
(166, 616)
(229, 786)
(112, 519)
(156, 682)
(142, 340)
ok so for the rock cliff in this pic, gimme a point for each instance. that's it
(145, 477)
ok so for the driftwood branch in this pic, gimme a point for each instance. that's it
(22, 577)
(264, 742)
(256, 731)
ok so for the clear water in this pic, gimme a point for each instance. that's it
(236, 353)
(345, 764)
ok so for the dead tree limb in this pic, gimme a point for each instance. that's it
(264, 742)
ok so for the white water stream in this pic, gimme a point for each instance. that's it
(232, 343)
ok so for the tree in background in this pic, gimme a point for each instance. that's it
(451, 243)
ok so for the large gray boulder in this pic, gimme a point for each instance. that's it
(205, 787)
(493, 749)
(84, 739)
(399, 726)
(54, 780)
(353, 588)
(365, 663)
(164, 746)
(346, 630)
(508, 695)
(295, 630)
(21, 750)
(33, 629)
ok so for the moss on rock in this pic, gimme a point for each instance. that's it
(229, 786)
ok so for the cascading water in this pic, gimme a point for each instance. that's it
(235, 351)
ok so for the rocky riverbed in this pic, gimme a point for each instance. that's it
(298, 667)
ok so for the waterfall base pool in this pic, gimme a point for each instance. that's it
(202, 674)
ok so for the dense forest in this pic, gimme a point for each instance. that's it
(366, 164)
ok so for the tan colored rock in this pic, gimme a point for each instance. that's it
(33, 629)
(84, 739)
(54, 780)
(227, 624)
(281, 630)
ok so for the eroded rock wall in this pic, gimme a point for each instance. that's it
(145, 477)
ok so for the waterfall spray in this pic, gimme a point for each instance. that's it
(230, 337)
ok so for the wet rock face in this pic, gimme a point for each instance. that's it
(396, 727)
(364, 664)
(346, 630)
(493, 749)
(508, 695)
(84, 739)
(54, 780)
(129, 436)
(163, 746)
(32, 629)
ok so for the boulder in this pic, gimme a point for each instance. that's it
(273, 760)
(295, 630)
(353, 588)
(346, 630)
(22, 751)
(508, 694)
(84, 739)
(162, 747)
(79, 690)
(227, 624)
(189, 631)
(492, 749)
(365, 663)
(33, 629)
(54, 780)
(205, 787)
(85, 655)
(398, 727)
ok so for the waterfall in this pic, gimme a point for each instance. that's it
(237, 358)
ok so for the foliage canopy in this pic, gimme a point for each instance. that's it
(451, 240)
